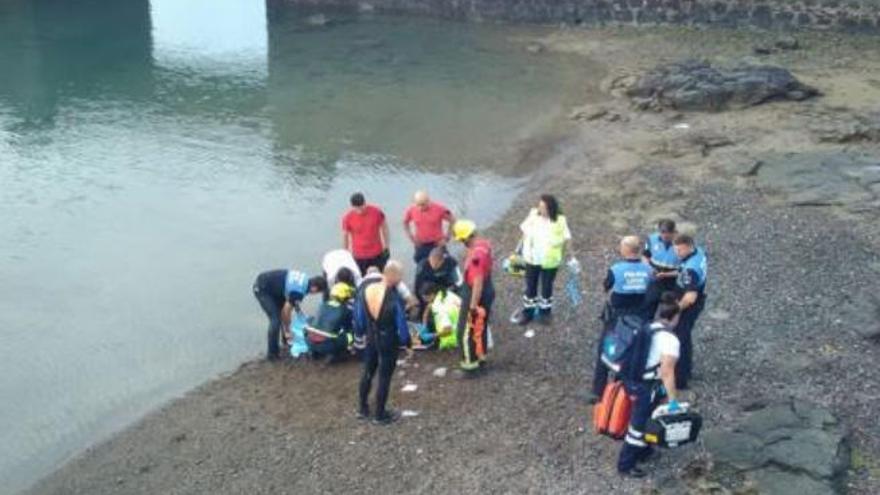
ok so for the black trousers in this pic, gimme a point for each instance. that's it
(635, 448)
(539, 278)
(422, 251)
(377, 261)
(684, 331)
(655, 291)
(382, 357)
(272, 307)
(600, 371)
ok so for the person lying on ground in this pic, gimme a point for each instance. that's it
(279, 293)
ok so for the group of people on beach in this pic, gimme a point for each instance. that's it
(368, 310)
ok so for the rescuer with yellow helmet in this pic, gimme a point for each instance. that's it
(478, 294)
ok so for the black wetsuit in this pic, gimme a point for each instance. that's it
(380, 353)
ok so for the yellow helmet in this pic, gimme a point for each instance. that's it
(342, 292)
(462, 230)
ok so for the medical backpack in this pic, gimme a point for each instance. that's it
(611, 414)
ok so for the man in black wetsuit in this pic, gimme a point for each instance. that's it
(380, 326)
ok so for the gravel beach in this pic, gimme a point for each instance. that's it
(787, 296)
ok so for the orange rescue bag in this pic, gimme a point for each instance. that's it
(611, 414)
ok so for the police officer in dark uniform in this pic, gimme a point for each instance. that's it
(690, 286)
(660, 253)
(627, 283)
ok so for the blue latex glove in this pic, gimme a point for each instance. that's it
(673, 406)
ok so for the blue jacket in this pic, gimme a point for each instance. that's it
(296, 285)
(362, 315)
(693, 272)
(661, 255)
(629, 277)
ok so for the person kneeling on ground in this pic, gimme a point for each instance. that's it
(438, 269)
(380, 328)
(440, 319)
(649, 373)
(279, 293)
(331, 335)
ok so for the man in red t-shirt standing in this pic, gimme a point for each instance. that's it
(365, 234)
(477, 295)
(428, 217)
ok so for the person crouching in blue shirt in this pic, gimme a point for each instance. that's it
(279, 293)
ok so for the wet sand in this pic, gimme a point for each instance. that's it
(778, 321)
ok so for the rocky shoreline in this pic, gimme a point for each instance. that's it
(787, 336)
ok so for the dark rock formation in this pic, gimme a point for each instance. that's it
(696, 85)
(852, 129)
(794, 448)
(847, 180)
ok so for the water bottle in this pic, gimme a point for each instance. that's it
(573, 282)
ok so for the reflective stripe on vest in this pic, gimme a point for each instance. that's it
(662, 256)
(296, 282)
(631, 277)
(446, 311)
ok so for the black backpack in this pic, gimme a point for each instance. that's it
(625, 346)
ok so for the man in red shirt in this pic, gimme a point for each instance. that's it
(428, 218)
(365, 234)
(478, 294)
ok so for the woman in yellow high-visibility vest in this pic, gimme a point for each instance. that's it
(545, 239)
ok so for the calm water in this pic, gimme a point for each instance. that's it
(154, 156)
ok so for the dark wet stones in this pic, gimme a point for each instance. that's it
(847, 180)
(863, 313)
(795, 448)
(698, 86)
(851, 129)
